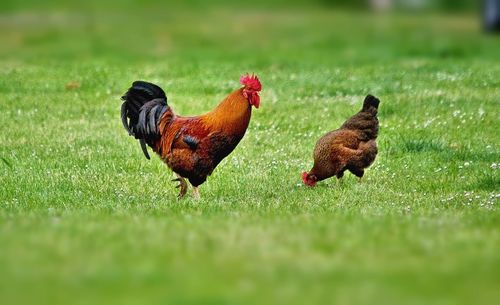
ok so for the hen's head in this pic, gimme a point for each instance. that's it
(309, 179)
(251, 89)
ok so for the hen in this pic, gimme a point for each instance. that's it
(191, 146)
(352, 147)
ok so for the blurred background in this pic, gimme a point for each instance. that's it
(151, 29)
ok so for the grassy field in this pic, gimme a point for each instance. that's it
(86, 219)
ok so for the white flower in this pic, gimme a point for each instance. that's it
(481, 111)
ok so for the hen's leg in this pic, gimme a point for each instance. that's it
(358, 172)
(182, 185)
(196, 192)
(340, 173)
(339, 177)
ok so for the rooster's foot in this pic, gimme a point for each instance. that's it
(196, 192)
(182, 185)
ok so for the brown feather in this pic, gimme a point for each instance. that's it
(352, 147)
(217, 133)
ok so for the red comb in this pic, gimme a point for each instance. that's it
(251, 82)
(304, 177)
(306, 181)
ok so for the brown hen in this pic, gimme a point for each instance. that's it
(352, 147)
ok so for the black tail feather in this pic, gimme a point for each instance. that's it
(144, 104)
(150, 89)
(152, 119)
(124, 118)
(144, 149)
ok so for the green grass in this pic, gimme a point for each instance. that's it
(86, 219)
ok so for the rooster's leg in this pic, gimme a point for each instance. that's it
(196, 192)
(182, 185)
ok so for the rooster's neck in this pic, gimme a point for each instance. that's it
(232, 114)
(234, 102)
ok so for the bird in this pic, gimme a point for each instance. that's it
(352, 147)
(191, 146)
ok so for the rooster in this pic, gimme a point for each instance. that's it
(352, 147)
(191, 146)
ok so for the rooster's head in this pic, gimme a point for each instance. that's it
(251, 89)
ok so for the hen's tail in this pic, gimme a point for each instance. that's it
(365, 121)
(370, 101)
(143, 106)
